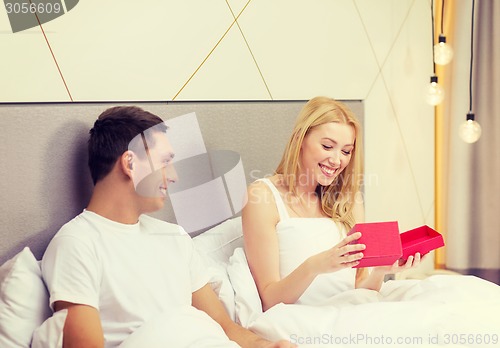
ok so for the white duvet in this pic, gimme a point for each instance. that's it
(181, 327)
(440, 311)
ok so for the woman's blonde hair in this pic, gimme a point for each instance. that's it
(337, 199)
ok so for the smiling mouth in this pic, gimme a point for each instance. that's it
(330, 172)
(163, 190)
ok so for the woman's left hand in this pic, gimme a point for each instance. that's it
(399, 265)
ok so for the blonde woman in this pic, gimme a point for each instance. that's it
(295, 222)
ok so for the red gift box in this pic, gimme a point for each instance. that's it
(420, 240)
(385, 245)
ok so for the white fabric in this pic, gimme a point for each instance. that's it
(440, 311)
(130, 273)
(221, 285)
(246, 296)
(220, 241)
(280, 204)
(23, 300)
(181, 327)
(331, 313)
(215, 246)
(50, 333)
(300, 238)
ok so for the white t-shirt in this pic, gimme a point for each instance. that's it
(130, 273)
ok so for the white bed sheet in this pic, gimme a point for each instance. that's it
(440, 311)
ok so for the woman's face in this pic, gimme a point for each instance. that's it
(325, 152)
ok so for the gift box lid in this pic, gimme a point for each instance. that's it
(420, 240)
(383, 244)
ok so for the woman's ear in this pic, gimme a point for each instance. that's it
(299, 140)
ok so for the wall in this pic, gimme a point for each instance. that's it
(375, 51)
(46, 181)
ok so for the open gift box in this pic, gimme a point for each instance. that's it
(385, 245)
(420, 240)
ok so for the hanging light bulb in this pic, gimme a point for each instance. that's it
(434, 93)
(443, 53)
(470, 130)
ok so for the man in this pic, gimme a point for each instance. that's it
(114, 268)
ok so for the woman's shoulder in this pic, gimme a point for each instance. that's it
(265, 189)
(267, 186)
(261, 202)
(259, 188)
(264, 183)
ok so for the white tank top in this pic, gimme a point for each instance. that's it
(300, 238)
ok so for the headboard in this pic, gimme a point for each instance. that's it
(44, 176)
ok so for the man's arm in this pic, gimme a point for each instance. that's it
(82, 328)
(205, 299)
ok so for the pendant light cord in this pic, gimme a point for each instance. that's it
(442, 17)
(432, 21)
(471, 57)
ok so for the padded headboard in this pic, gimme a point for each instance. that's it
(44, 176)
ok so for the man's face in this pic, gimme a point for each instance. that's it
(153, 170)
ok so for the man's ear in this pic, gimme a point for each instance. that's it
(127, 162)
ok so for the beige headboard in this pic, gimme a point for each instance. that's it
(44, 176)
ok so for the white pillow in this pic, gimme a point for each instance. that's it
(50, 333)
(219, 281)
(246, 296)
(24, 303)
(220, 241)
(215, 246)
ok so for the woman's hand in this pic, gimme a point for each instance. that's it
(399, 265)
(342, 255)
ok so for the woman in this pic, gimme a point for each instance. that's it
(295, 222)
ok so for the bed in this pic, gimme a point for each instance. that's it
(441, 310)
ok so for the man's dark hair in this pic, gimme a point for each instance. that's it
(112, 132)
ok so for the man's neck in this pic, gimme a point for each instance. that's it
(113, 203)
